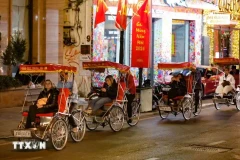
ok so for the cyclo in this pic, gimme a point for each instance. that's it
(113, 113)
(233, 96)
(183, 104)
(52, 127)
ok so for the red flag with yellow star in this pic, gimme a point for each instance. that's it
(121, 18)
(100, 12)
(143, 12)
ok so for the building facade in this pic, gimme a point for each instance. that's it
(176, 34)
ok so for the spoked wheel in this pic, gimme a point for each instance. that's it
(238, 101)
(116, 118)
(163, 114)
(59, 134)
(199, 108)
(187, 108)
(91, 124)
(81, 125)
(135, 114)
(216, 105)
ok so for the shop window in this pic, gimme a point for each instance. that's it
(180, 41)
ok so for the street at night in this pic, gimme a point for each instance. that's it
(212, 135)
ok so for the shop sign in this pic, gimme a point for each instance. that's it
(140, 41)
(218, 19)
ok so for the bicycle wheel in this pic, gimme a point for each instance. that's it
(91, 124)
(81, 125)
(59, 134)
(162, 114)
(186, 105)
(116, 118)
(216, 105)
(238, 101)
(135, 114)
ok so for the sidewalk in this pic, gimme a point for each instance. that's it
(10, 118)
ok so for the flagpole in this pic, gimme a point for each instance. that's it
(121, 54)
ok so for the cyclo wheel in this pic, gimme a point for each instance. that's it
(116, 118)
(216, 105)
(135, 113)
(238, 101)
(90, 123)
(162, 114)
(81, 124)
(186, 106)
(59, 134)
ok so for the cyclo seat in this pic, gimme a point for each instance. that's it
(50, 114)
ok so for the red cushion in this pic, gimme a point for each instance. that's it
(51, 114)
(62, 98)
(189, 81)
(108, 104)
(121, 89)
(178, 97)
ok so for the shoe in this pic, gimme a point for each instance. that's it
(75, 129)
(129, 121)
(232, 103)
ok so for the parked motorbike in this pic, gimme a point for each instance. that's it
(159, 90)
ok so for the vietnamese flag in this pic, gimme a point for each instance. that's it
(100, 12)
(143, 13)
(121, 18)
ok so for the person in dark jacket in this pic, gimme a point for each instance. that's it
(109, 93)
(198, 86)
(47, 102)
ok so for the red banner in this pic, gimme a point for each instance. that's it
(140, 40)
(121, 18)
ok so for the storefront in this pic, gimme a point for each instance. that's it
(176, 35)
(222, 31)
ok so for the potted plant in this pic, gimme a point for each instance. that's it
(14, 52)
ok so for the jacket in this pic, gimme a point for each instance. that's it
(130, 84)
(52, 95)
(198, 78)
(112, 91)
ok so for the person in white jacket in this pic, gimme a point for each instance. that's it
(226, 83)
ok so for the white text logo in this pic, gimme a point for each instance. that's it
(28, 145)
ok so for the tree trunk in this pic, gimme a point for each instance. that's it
(9, 70)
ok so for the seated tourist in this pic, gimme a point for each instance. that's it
(226, 83)
(108, 94)
(178, 88)
(47, 102)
